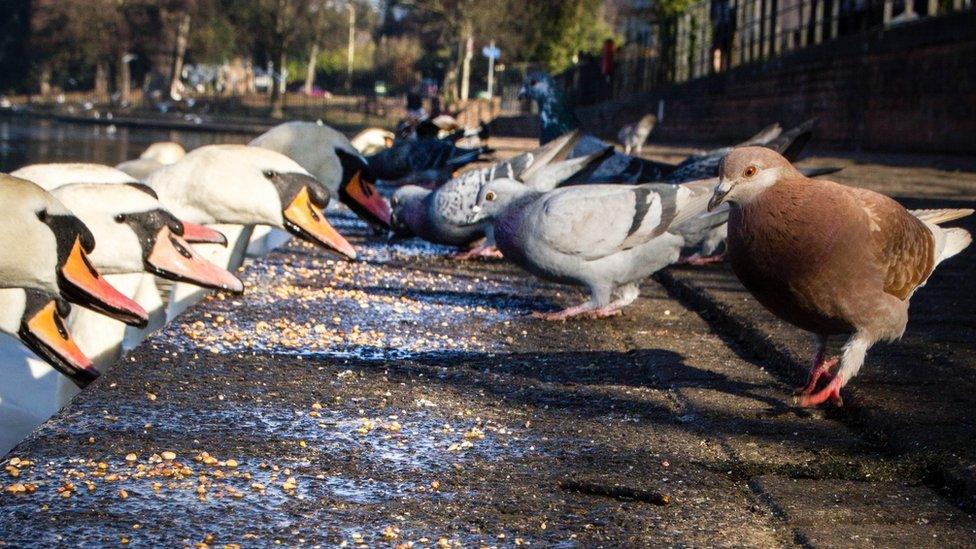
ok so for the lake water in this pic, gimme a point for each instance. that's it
(29, 140)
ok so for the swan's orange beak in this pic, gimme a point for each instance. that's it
(46, 335)
(305, 219)
(198, 234)
(173, 258)
(82, 284)
(363, 198)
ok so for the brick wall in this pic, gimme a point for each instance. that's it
(910, 89)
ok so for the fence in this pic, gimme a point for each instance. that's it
(713, 36)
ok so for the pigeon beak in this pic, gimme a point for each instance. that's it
(523, 93)
(46, 335)
(82, 284)
(303, 218)
(362, 197)
(721, 191)
(173, 258)
(198, 234)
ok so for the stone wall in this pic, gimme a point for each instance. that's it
(909, 89)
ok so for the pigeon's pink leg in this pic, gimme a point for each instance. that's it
(604, 312)
(585, 309)
(821, 368)
(481, 250)
(699, 260)
(831, 391)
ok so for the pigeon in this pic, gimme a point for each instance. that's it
(405, 157)
(440, 216)
(415, 213)
(788, 143)
(557, 119)
(633, 136)
(829, 259)
(606, 238)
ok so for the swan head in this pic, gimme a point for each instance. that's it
(46, 247)
(335, 161)
(37, 319)
(248, 185)
(138, 234)
(357, 190)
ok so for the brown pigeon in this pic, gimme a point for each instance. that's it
(827, 258)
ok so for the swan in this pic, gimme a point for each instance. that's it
(33, 327)
(45, 262)
(234, 187)
(157, 155)
(372, 140)
(333, 160)
(46, 247)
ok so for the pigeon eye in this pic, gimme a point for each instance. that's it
(270, 174)
(489, 196)
(532, 82)
(120, 218)
(750, 171)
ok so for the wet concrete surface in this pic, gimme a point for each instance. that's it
(407, 399)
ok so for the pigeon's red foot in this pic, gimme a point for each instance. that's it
(830, 392)
(817, 371)
(605, 312)
(579, 310)
(490, 252)
(699, 260)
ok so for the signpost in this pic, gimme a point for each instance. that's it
(492, 53)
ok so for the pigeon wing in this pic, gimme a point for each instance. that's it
(903, 245)
(594, 221)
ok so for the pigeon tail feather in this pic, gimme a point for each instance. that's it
(700, 192)
(549, 176)
(956, 240)
(941, 215)
(817, 172)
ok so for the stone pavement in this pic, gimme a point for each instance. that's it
(407, 399)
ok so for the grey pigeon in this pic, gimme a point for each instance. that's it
(557, 119)
(409, 156)
(606, 238)
(440, 216)
(633, 136)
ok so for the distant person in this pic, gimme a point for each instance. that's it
(723, 30)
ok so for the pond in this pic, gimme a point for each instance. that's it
(31, 140)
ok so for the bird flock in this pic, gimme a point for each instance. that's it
(85, 245)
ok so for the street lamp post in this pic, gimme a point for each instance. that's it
(352, 44)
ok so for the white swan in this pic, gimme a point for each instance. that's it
(234, 187)
(334, 161)
(372, 140)
(157, 155)
(45, 260)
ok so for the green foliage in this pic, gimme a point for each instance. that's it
(566, 29)
(68, 37)
(670, 8)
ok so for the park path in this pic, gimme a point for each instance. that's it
(407, 398)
